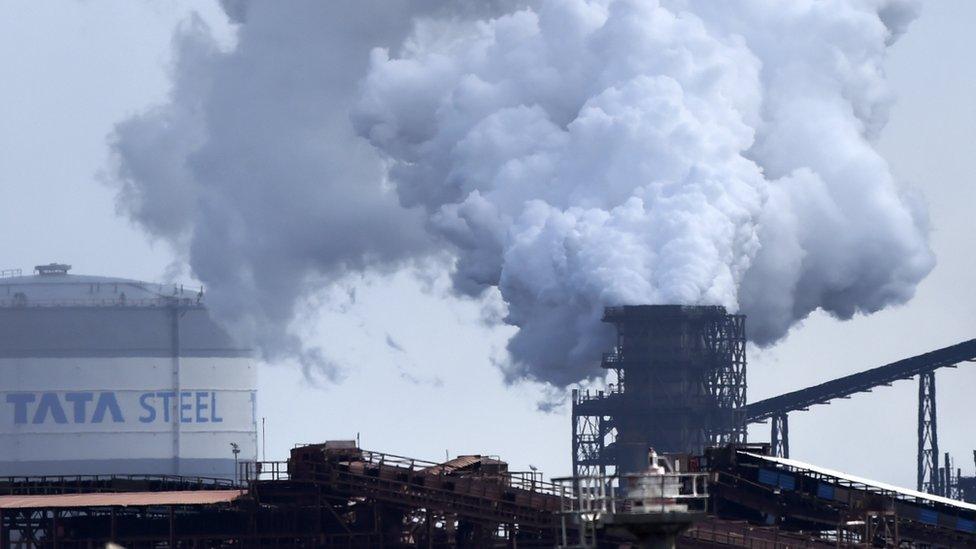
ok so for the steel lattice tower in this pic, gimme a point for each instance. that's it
(928, 436)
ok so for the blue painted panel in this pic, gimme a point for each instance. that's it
(787, 482)
(769, 477)
(966, 525)
(825, 491)
(928, 516)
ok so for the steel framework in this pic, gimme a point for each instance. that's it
(591, 437)
(929, 478)
(779, 438)
(338, 495)
(861, 382)
(831, 506)
(680, 386)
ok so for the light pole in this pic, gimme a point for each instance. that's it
(236, 450)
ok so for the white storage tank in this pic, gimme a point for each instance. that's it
(111, 376)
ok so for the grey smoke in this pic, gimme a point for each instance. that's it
(570, 154)
(254, 172)
(394, 344)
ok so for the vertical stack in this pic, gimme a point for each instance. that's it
(680, 387)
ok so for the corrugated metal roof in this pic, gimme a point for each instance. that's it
(463, 462)
(860, 480)
(120, 499)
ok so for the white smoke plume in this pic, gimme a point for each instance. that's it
(571, 154)
(253, 171)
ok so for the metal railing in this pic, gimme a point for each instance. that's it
(522, 480)
(59, 484)
(22, 302)
(743, 534)
(589, 501)
(251, 471)
(586, 395)
(10, 273)
(634, 493)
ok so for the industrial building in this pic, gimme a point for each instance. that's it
(338, 495)
(680, 387)
(104, 375)
(676, 385)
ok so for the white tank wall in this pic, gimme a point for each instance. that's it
(126, 346)
(133, 435)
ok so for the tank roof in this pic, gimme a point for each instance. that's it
(52, 286)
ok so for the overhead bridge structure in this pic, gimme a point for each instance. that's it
(930, 478)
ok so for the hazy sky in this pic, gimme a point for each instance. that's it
(420, 378)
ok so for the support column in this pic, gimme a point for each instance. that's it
(575, 437)
(928, 436)
(113, 527)
(175, 351)
(55, 538)
(779, 437)
(172, 528)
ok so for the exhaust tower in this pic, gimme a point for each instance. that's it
(680, 386)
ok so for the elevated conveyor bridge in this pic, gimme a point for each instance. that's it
(930, 478)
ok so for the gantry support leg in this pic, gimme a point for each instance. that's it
(779, 437)
(928, 436)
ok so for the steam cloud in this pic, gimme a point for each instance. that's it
(571, 154)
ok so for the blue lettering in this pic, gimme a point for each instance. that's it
(201, 406)
(149, 408)
(166, 396)
(185, 407)
(20, 401)
(49, 404)
(79, 400)
(213, 408)
(106, 401)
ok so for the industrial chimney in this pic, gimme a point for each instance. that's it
(680, 386)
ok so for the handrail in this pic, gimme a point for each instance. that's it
(251, 471)
(633, 493)
(530, 481)
(23, 484)
(111, 302)
(523, 480)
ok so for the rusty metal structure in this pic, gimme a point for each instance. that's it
(680, 386)
(337, 495)
(326, 495)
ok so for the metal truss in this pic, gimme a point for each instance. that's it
(725, 342)
(592, 434)
(928, 436)
(779, 437)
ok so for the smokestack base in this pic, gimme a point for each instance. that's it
(680, 383)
